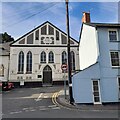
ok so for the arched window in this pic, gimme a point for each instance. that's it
(64, 57)
(72, 61)
(21, 62)
(29, 62)
(2, 70)
(51, 57)
(43, 57)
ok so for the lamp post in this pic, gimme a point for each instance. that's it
(69, 56)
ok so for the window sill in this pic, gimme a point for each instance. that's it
(115, 67)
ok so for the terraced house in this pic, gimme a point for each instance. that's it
(36, 57)
(98, 82)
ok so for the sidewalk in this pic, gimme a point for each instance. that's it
(65, 103)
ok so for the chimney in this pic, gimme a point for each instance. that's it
(86, 17)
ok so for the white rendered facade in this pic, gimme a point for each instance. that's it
(42, 41)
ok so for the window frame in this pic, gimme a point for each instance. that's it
(29, 63)
(118, 59)
(21, 69)
(2, 69)
(72, 61)
(116, 35)
(118, 78)
(41, 55)
(64, 58)
(51, 58)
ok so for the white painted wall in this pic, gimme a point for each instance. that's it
(88, 50)
(57, 74)
(5, 61)
(82, 84)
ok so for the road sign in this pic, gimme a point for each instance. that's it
(64, 67)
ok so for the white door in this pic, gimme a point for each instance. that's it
(96, 92)
(119, 88)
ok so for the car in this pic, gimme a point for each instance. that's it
(6, 85)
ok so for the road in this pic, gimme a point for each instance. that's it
(38, 103)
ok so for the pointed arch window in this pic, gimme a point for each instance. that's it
(43, 57)
(21, 62)
(64, 57)
(29, 62)
(51, 57)
(2, 70)
(72, 61)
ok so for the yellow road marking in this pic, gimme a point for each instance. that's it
(54, 100)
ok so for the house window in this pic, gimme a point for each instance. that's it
(2, 70)
(37, 35)
(72, 61)
(21, 62)
(29, 62)
(64, 57)
(57, 35)
(115, 58)
(51, 57)
(113, 35)
(51, 30)
(43, 57)
(44, 30)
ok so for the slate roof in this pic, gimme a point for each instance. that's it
(103, 24)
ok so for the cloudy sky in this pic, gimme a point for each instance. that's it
(19, 18)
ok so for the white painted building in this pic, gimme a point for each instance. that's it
(4, 61)
(98, 82)
(36, 57)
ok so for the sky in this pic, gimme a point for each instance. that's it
(18, 18)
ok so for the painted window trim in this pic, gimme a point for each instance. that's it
(118, 88)
(44, 59)
(99, 91)
(116, 34)
(115, 67)
(20, 56)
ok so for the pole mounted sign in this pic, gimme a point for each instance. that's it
(64, 67)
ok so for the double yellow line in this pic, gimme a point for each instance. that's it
(54, 100)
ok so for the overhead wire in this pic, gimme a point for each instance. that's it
(31, 15)
(21, 12)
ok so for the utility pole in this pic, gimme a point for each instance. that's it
(69, 55)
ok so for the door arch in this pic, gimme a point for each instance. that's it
(47, 75)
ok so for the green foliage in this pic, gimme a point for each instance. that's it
(4, 37)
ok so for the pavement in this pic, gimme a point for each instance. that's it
(64, 102)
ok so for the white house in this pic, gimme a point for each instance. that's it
(4, 61)
(36, 57)
(98, 82)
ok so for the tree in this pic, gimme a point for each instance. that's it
(4, 37)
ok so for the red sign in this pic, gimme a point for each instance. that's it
(64, 67)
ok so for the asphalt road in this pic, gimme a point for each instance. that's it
(37, 103)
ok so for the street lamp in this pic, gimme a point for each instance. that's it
(69, 55)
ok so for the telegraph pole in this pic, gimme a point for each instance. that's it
(69, 55)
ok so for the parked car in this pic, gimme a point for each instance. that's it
(6, 85)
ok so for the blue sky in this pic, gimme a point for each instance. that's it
(15, 15)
